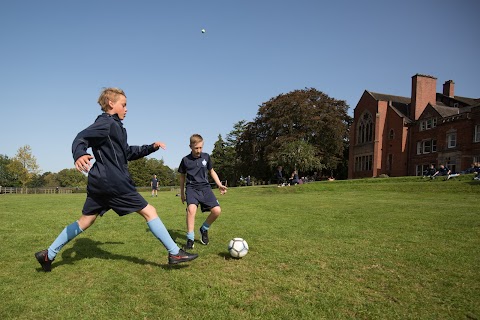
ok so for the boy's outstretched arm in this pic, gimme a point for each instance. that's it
(215, 178)
(137, 152)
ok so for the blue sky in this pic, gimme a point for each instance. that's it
(56, 56)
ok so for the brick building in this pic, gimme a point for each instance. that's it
(400, 136)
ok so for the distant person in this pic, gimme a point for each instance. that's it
(247, 180)
(195, 189)
(475, 169)
(429, 172)
(445, 171)
(109, 183)
(294, 178)
(279, 177)
(154, 185)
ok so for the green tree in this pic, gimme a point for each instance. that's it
(296, 155)
(71, 178)
(24, 165)
(224, 155)
(6, 177)
(142, 171)
(302, 116)
(222, 165)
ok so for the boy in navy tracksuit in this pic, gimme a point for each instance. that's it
(194, 169)
(109, 183)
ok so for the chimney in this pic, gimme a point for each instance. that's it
(448, 88)
(424, 91)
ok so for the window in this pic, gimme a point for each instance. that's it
(422, 125)
(365, 128)
(363, 163)
(428, 124)
(476, 138)
(451, 140)
(391, 135)
(426, 146)
(390, 162)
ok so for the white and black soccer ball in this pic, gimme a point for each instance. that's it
(238, 248)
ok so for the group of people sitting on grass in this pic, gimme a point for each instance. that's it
(293, 180)
(444, 171)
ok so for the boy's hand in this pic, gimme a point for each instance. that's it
(83, 163)
(158, 145)
(223, 189)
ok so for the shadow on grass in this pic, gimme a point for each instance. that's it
(86, 248)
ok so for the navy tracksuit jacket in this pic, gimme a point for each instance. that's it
(108, 139)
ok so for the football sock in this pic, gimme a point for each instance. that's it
(205, 226)
(158, 229)
(70, 232)
(191, 235)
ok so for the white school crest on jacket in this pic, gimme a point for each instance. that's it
(204, 162)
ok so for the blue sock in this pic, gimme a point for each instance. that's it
(158, 229)
(205, 226)
(191, 235)
(70, 232)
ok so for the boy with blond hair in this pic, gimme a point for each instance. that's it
(110, 185)
(194, 169)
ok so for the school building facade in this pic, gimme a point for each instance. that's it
(402, 136)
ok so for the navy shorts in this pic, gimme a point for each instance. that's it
(204, 197)
(122, 205)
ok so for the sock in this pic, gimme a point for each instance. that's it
(70, 232)
(158, 229)
(205, 226)
(191, 235)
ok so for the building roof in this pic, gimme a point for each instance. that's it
(401, 105)
(389, 97)
(445, 111)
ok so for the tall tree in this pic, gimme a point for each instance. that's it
(24, 165)
(224, 155)
(302, 116)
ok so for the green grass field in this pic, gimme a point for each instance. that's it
(395, 248)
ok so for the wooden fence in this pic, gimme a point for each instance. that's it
(13, 190)
(10, 190)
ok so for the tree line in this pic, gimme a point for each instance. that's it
(23, 171)
(303, 130)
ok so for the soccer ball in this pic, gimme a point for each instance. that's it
(238, 248)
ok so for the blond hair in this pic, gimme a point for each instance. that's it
(109, 94)
(195, 138)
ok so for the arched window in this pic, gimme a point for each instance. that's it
(365, 128)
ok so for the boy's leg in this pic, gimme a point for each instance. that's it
(190, 220)
(45, 257)
(176, 255)
(158, 228)
(214, 214)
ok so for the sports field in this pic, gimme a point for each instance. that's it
(395, 248)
